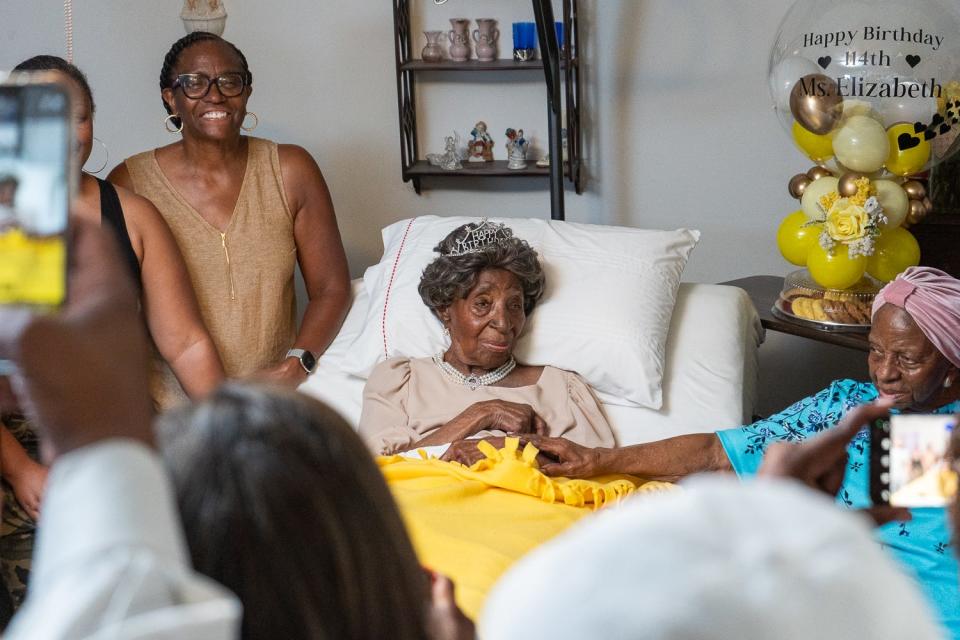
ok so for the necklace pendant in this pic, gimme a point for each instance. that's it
(473, 382)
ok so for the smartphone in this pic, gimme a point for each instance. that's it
(36, 158)
(909, 461)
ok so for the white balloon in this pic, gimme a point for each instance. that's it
(809, 203)
(784, 76)
(894, 200)
(861, 144)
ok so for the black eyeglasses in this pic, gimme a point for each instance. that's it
(197, 85)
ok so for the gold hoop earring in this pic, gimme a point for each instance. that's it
(168, 120)
(256, 121)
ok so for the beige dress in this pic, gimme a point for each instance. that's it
(407, 399)
(243, 277)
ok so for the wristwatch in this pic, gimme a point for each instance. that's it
(307, 360)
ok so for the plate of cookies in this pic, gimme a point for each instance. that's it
(805, 302)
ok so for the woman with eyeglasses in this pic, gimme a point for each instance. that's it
(244, 211)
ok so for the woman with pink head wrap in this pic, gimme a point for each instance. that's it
(932, 299)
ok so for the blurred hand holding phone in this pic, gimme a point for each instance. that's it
(911, 460)
(37, 181)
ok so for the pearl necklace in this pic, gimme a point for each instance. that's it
(473, 380)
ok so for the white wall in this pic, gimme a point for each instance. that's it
(679, 131)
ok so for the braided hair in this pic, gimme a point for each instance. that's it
(56, 63)
(167, 75)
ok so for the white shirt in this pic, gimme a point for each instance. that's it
(110, 559)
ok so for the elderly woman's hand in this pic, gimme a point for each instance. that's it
(571, 460)
(466, 452)
(510, 417)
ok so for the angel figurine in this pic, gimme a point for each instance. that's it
(204, 15)
(481, 147)
(449, 160)
(517, 147)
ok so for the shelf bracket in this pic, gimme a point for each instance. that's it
(550, 53)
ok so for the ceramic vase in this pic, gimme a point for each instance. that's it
(486, 35)
(459, 39)
(432, 52)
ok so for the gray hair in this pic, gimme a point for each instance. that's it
(282, 503)
(450, 278)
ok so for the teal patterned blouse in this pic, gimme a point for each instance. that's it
(922, 545)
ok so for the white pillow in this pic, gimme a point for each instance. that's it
(605, 314)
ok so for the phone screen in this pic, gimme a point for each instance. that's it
(919, 473)
(35, 154)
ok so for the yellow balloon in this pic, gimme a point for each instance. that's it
(896, 249)
(795, 237)
(894, 200)
(861, 144)
(908, 161)
(835, 271)
(809, 201)
(817, 148)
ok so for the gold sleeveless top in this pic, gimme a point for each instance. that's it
(243, 277)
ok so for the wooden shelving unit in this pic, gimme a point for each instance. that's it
(554, 63)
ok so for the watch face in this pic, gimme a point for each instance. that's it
(309, 361)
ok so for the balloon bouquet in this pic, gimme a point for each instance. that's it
(869, 90)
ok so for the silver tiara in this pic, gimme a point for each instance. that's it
(479, 237)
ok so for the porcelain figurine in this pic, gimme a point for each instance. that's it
(517, 147)
(481, 146)
(449, 160)
(204, 15)
(485, 36)
(433, 51)
(459, 37)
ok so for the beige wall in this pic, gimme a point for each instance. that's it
(679, 130)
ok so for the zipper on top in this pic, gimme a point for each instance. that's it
(226, 254)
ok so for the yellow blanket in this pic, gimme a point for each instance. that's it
(471, 524)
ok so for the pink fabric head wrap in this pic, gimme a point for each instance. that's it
(932, 298)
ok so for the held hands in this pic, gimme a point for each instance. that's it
(570, 460)
(510, 417)
(286, 373)
(821, 462)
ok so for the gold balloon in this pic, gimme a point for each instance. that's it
(797, 185)
(917, 211)
(816, 103)
(847, 186)
(815, 173)
(915, 189)
(927, 204)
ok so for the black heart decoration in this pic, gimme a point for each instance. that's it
(912, 60)
(906, 141)
(937, 119)
(944, 128)
(919, 127)
(824, 61)
(929, 134)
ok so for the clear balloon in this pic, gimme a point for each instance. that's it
(810, 202)
(796, 236)
(896, 249)
(836, 270)
(891, 60)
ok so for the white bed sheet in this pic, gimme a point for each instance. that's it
(710, 381)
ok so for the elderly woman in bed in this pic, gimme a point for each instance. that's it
(482, 287)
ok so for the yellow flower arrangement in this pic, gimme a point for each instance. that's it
(846, 221)
(864, 190)
(826, 200)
